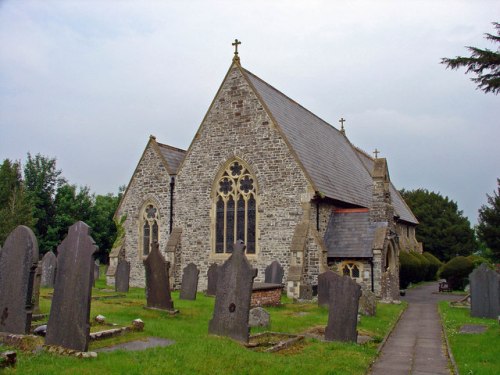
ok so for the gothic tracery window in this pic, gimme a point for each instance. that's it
(351, 269)
(235, 209)
(149, 228)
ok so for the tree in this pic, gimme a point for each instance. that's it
(488, 228)
(484, 63)
(15, 208)
(443, 229)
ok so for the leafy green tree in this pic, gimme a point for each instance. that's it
(443, 229)
(15, 208)
(484, 63)
(42, 179)
(488, 228)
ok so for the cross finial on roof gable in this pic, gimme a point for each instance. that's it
(342, 130)
(376, 152)
(236, 44)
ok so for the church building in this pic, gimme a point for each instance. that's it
(264, 169)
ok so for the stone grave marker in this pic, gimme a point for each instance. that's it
(18, 261)
(157, 280)
(324, 281)
(189, 285)
(305, 292)
(68, 324)
(232, 300)
(122, 276)
(36, 288)
(96, 272)
(49, 265)
(212, 279)
(368, 303)
(484, 292)
(343, 310)
(274, 273)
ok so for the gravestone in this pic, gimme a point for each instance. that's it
(343, 310)
(49, 265)
(96, 271)
(212, 279)
(68, 324)
(232, 300)
(367, 303)
(274, 273)
(259, 317)
(189, 284)
(305, 292)
(157, 280)
(18, 261)
(36, 288)
(122, 276)
(324, 281)
(484, 292)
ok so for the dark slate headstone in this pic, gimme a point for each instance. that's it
(324, 281)
(484, 292)
(18, 261)
(189, 285)
(68, 324)
(212, 279)
(274, 273)
(157, 280)
(234, 292)
(343, 310)
(36, 288)
(49, 265)
(122, 276)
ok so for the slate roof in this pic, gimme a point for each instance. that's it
(172, 155)
(350, 235)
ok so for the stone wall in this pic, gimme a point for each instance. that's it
(150, 183)
(269, 297)
(238, 127)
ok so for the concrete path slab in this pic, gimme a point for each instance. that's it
(416, 346)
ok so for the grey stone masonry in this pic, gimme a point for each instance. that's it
(18, 261)
(484, 292)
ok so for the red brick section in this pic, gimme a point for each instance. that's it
(268, 297)
(349, 210)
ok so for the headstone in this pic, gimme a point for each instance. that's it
(367, 303)
(484, 292)
(157, 280)
(96, 271)
(18, 261)
(122, 276)
(189, 285)
(259, 317)
(36, 288)
(324, 281)
(49, 265)
(343, 310)
(68, 324)
(305, 292)
(212, 279)
(274, 273)
(232, 301)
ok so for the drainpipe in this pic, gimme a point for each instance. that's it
(317, 215)
(371, 268)
(172, 185)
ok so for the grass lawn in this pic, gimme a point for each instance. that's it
(196, 352)
(474, 353)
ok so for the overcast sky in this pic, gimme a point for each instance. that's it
(87, 82)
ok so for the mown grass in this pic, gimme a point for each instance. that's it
(475, 354)
(196, 352)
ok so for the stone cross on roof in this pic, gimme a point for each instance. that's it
(376, 152)
(235, 44)
(342, 130)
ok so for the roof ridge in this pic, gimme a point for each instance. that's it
(362, 151)
(293, 101)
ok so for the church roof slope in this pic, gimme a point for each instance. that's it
(172, 155)
(326, 154)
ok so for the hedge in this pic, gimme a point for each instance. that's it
(456, 272)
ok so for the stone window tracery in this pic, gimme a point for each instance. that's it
(235, 209)
(351, 269)
(149, 228)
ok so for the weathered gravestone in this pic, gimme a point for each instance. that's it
(212, 279)
(18, 261)
(274, 273)
(122, 276)
(157, 280)
(68, 324)
(324, 281)
(36, 288)
(343, 310)
(367, 303)
(484, 292)
(49, 265)
(232, 300)
(189, 285)
(96, 271)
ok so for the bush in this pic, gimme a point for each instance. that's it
(424, 266)
(413, 268)
(477, 260)
(434, 265)
(456, 272)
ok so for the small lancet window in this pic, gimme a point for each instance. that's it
(351, 269)
(149, 228)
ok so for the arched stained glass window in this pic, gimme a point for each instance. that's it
(149, 228)
(352, 269)
(235, 209)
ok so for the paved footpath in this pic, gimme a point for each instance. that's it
(416, 346)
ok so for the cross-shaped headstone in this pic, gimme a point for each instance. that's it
(235, 44)
(376, 152)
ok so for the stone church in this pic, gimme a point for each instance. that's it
(264, 169)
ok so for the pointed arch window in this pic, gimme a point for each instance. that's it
(149, 228)
(352, 269)
(235, 209)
